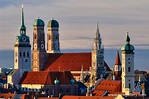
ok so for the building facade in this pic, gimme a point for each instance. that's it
(127, 66)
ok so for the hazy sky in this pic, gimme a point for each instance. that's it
(78, 19)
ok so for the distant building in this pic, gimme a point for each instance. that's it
(52, 83)
(117, 68)
(127, 66)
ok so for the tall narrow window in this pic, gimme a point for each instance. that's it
(24, 54)
(128, 69)
(20, 54)
(129, 85)
(27, 54)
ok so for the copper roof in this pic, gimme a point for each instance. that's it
(46, 77)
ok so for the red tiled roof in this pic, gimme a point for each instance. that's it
(69, 61)
(108, 85)
(98, 93)
(46, 98)
(7, 95)
(87, 97)
(46, 77)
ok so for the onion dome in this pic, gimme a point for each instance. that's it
(38, 22)
(53, 23)
(127, 46)
(72, 81)
(56, 81)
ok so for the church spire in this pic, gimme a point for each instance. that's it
(117, 61)
(97, 39)
(22, 28)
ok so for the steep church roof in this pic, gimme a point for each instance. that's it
(46, 77)
(69, 61)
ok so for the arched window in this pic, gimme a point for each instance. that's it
(20, 54)
(27, 54)
(129, 85)
(24, 54)
(128, 69)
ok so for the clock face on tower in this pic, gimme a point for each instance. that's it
(24, 39)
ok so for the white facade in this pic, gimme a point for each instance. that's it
(127, 66)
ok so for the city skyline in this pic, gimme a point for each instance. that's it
(78, 22)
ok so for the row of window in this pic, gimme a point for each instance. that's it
(22, 54)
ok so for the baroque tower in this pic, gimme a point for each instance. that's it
(39, 52)
(127, 66)
(53, 44)
(97, 58)
(22, 49)
(117, 67)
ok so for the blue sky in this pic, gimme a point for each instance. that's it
(78, 19)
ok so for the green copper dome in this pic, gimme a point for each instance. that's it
(38, 22)
(127, 46)
(53, 23)
(56, 81)
(72, 81)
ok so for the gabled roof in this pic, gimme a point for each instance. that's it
(46, 77)
(108, 85)
(69, 61)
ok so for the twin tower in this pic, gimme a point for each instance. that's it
(23, 60)
(53, 45)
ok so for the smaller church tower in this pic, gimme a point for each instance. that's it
(98, 67)
(127, 66)
(22, 49)
(53, 44)
(39, 52)
(117, 67)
